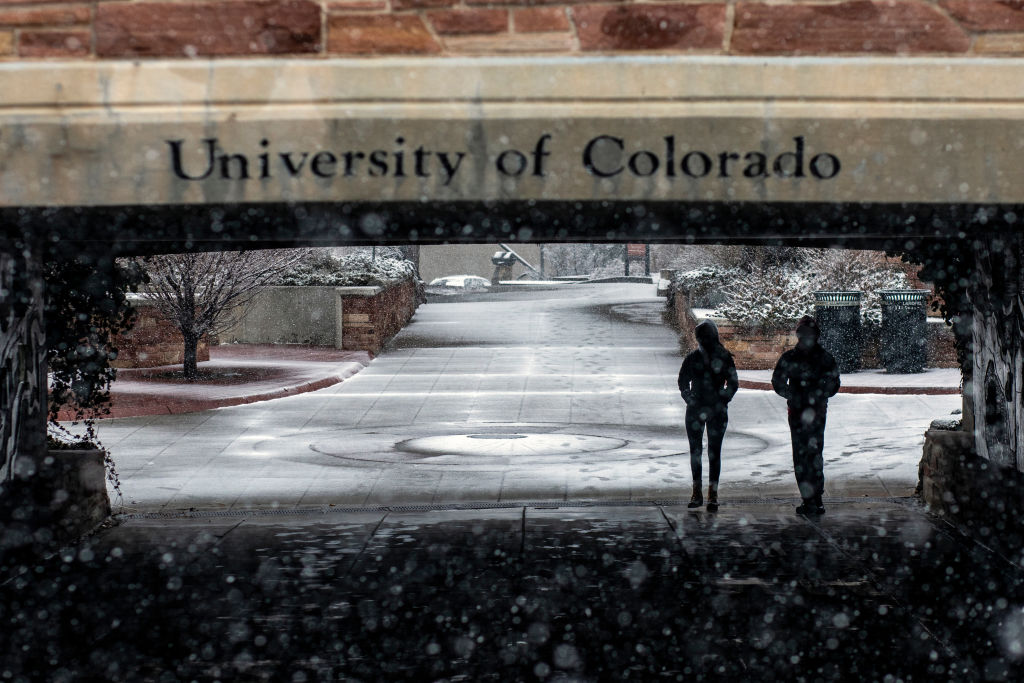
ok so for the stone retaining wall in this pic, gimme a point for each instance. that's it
(372, 315)
(32, 29)
(350, 318)
(52, 498)
(289, 315)
(152, 341)
(977, 493)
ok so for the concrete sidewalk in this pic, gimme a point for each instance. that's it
(537, 396)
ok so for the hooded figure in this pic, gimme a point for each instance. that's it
(707, 382)
(807, 377)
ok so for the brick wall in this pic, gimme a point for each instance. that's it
(31, 29)
(759, 349)
(152, 341)
(368, 322)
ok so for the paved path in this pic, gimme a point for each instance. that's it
(528, 396)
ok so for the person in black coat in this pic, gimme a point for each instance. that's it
(807, 377)
(707, 382)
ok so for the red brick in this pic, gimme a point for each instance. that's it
(421, 4)
(987, 15)
(860, 26)
(33, 2)
(229, 27)
(469, 21)
(53, 43)
(650, 27)
(540, 20)
(356, 5)
(379, 34)
(46, 16)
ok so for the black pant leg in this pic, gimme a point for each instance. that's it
(695, 420)
(817, 460)
(807, 429)
(717, 424)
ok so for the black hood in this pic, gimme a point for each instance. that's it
(707, 334)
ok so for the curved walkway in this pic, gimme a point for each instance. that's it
(589, 365)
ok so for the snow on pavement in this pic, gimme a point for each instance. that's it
(592, 362)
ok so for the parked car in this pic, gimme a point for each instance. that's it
(465, 282)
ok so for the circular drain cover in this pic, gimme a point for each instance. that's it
(509, 444)
(486, 447)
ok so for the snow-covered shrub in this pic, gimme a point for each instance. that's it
(705, 284)
(781, 294)
(869, 272)
(361, 268)
(595, 260)
(767, 298)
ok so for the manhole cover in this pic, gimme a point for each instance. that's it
(509, 444)
(482, 446)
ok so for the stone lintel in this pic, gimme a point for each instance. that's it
(240, 82)
(645, 129)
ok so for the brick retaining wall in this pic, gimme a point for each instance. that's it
(759, 349)
(152, 341)
(31, 29)
(370, 319)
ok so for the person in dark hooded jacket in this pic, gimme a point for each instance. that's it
(707, 382)
(807, 376)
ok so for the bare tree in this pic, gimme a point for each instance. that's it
(199, 292)
(583, 259)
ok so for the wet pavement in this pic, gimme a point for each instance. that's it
(496, 498)
(588, 365)
(878, 591)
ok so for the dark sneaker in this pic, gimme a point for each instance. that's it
(805, 509)
(712, 500)
(697, 499)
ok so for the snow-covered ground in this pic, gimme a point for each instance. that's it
(591, 367)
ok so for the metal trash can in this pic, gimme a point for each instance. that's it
(838, 316)
(904, 330)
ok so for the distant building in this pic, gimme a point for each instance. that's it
(470, 259)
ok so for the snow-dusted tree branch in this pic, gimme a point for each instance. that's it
(201, 293)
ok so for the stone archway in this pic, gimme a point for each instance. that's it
(156, 157)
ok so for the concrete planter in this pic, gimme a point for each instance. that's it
(351, 318)
(54, 498)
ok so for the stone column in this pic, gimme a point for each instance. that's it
(997, 366)
(22, 356)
